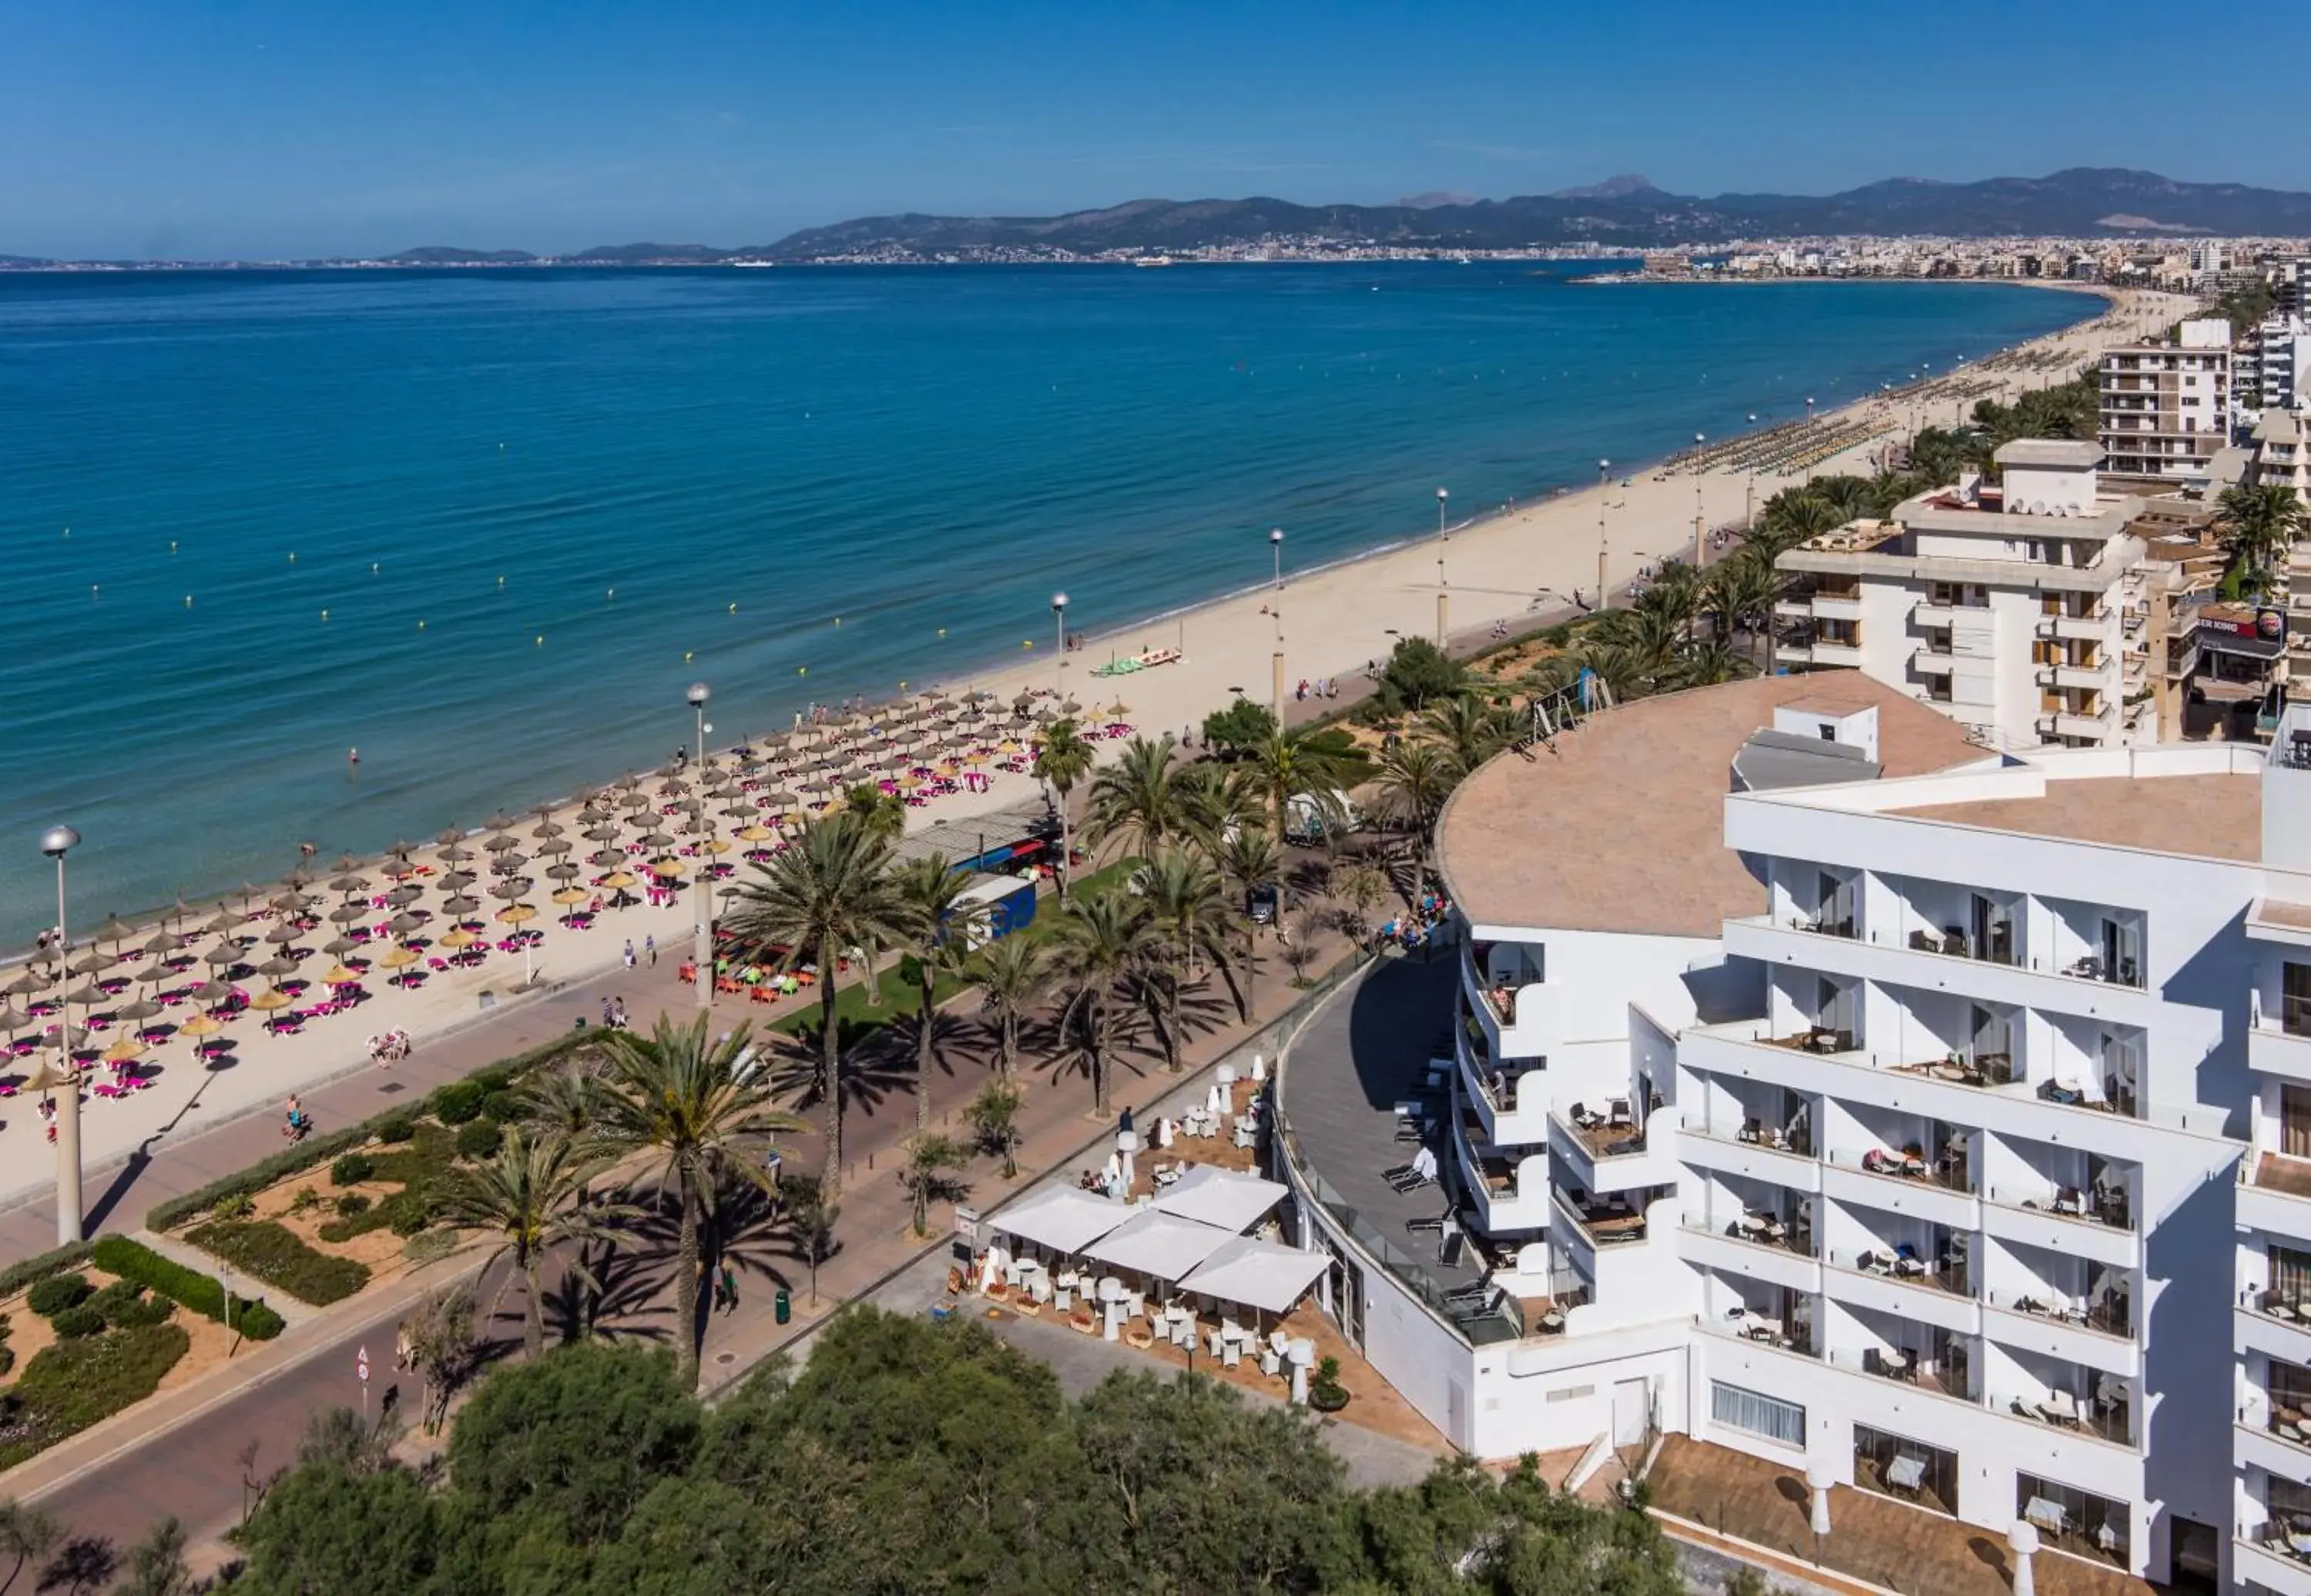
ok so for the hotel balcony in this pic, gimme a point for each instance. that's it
(1888, 1346)
(2084, 629)
(2266, 1558)
(2274, 1195)
(1509, 1193)
(2280, 1043)
(1931, 662)
(2081, 1401)
(1929, 616)
(1609, 1151)
(2071, 723)
(1510, 1099)
(2091, 679)
(1510, 997)
(1909, 1184)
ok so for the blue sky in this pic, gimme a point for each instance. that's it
(254, 128)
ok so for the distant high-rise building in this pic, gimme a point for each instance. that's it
(2167, 407)
(2272, 365)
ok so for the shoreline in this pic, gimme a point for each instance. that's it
(1026, 670)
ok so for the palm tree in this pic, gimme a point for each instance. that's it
(884, 814)
(530, 1197)
(1250, 860)
(1187, 911)
(1466, 730)
(1010, 974)
(1212, 796)
(928, 889)
(1289, 763)
(1100, 942)
(1712, 663)
(830, 891)
(1743, 590)
(1062, 759)
(1416, 776)
(1849, 497)
(1361, 888)
(2259, 525)
(994, 1116)
(1140, 796)
(675, 1094)
(927, 1175)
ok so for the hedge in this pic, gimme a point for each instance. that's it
(272, 1253)
(312, 1152)
(67, 1387)
(165, 1277)
(57, 1292)
(18, 1276)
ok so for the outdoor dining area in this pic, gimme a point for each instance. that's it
(1198, 1269)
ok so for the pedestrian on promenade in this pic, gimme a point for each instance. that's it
(630, 953)
(650, 946)
(403, 1355)
(726, 1290)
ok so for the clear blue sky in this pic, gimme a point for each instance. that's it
(258, 128)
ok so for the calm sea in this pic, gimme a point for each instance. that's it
(485, 526)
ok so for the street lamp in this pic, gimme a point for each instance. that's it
(56, 843)
(702, 911)
(1276, 667)
(1749, 498)
(1059, 637)
(1699, 472)
(1604, 469)
(1276, 544)
(1441, 496)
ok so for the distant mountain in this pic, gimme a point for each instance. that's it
(1619, 188)
(443, 255)
(1435, 197)
(24, 262)
(1627, 212)
(651, 255)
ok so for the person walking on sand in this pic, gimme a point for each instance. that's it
(630, 953)
(650, 946)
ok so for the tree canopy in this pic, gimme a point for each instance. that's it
(906, 1456)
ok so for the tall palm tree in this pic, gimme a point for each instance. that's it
(1848, 497)
(1250, 860)
(830, 891)
(2259, 525)
(530, 1197)
(1289, 763)
(1100, 943)
(1416, 776)
(929, 890)
(884, 814)
(1140, 795)
(1010, 974)
(1708, 664)
(1063, 759)
(1800, 515)
(1743, 590)
(1213, 797)
(1466, 730)
(1187, 909)
(675, 1095)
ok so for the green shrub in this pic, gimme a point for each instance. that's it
(57, 1293)
(73, 1384)
(233, 1205)
(352, 1169)
(313, 1152)
(408, 1217)
(123, 1305)
(270, 1251)
(425, 1247)
(351, 1203)
(72, 1323)
(395, 1128)
(18, 1276)
(459, 1102)
(480, 1139)
(305, 1201)
(494, 1078)
(502, 1106)
(7, 1358)
(203, 1293)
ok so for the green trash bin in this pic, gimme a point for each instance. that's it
(782, 1306)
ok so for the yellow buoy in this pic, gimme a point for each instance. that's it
(500, 581)
(685, 656)
(172, 545)
(325, 614)
(293, 556)
(421, 626)
(188, 601)
(541, 640)
(1026, 642)
(802, 670)
(734, 609)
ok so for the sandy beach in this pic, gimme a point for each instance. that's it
(1511, 564)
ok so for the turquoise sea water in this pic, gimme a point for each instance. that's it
(493, 453)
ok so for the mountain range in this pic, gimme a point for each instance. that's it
(1625, 213)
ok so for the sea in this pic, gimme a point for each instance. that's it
(485, 526)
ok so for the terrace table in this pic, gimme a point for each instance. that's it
(2047, 1515)
(1907, 1473)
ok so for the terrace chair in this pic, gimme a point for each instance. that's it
(1411, 1180)
(1452, 1248)
(1584, 1117)
(1435, 1224)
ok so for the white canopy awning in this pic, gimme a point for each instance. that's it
(1227, 1197)
(1153, 1243)
(1257, 1273)
(1061, 1217)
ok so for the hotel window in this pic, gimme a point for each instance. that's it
(2288, 1386)
(1908, 1470)
(2294, 1005)
(2295, 1122)
(2076, 1521)
(2290, 1273)
(1757, 1413)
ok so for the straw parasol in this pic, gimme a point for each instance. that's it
(714, 845)
(269, 1002)
(667, 869)
(618, 880)
(346, 914)
(400, 957)
(458, 881)
(455, 853)
(24, 985)
(13, 1019)
(278, 966)
(201, 1025)
(338, 975)
(164, 942)
(223, 955)
(349, 883)
(572, 894)
(564, 871)
(513, 914)
(122, 1052)
(607, 858)
(460, 905)
(284, 934)
(144, 1008)
(210, 991)
(337, 947)
(92, 962)
(402, 897)
(755, 834)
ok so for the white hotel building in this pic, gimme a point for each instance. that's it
(1823, 1087)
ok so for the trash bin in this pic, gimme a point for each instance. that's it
(578, 1023)
(782, 1306)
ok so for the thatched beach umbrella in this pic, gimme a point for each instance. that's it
(618, 880)
(564, 871)
(270, 1002)
(338, 975)
(94, 962)
(125, 1051)
(346, 914)
(457, 936)
(402, 897)
(26, 985)
(456, 855)
(601, 833)
(572, 894)
(284, 934)
(501, 844)
(277, 966)
(13, 1020)
(460, 905)
(399, 958)
(337, 947)
(514, 914)
(403, 924)
(607, 858)
(457, 881)
(210, 991)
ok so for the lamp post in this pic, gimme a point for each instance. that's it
(1809, 470)
(56, 843)
(702, 910)
(1441, 495)
(1749, 498)
(1699, 471)
(1604, 468)
(1275, 545)
(1275, 668)
(1059, 640)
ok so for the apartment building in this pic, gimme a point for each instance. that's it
(2272, 363)
(1965, 1159)
(2167, 407)
(2004, 606)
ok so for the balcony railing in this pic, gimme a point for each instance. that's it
(2287, 1307)
(1605, 1136)
(2074, 1411)
(1605, 1223)
(1949, 1171)
(1948, 1376)
(1902, 1263)
(1822, 925)
(2091, 1207)
(1760, 1330)
(1779, 1232)
(2112, 1316)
